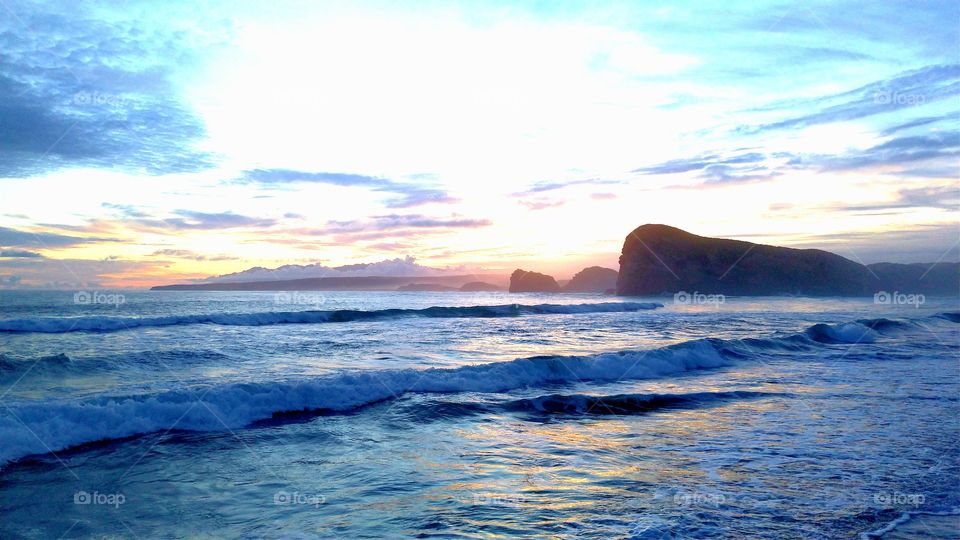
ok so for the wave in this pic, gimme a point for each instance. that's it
(884, 324)
(429, 410)
(61, 364)
(38, 427)
(952, 316)
(59, 325)
(50, 363)
(626, 403)
(866, 330)
(841, 333)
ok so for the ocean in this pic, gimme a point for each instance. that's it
(134, 414)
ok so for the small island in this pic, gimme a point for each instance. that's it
(524, 281)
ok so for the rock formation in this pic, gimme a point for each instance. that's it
(594, 279)
(661, 259)
(523, 281)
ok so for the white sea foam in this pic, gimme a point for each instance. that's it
(38, 428)
(112, 324)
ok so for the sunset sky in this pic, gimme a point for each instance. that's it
(142, 144)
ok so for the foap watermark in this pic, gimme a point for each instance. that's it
(896, 98)
(897, 298)
(895, 499)
(698, 299)
(99, 499)
(286, 497)
(85, 298)
(298, 299)
(698, 498)
(513, 501)
(99, 99)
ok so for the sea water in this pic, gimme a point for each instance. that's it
(387, 414)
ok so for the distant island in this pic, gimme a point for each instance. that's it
(594, 279)
(352, 283)
(655, 260)
(473, 286)
(525, 281)
(658, 259)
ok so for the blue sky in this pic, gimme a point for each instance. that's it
(142, 144)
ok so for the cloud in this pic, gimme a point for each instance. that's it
(382, 228)
(943, 197)
(71, 273)
(391, 227)
(542, 187)
(908, 89)
(182, 253)
(534, 198)
(699, 163)
(935, 149)
(943, 146)
(286, 176)
(18, 253)
(391, 246)
(934, 197)
(938, 148)
(542, 204)
(918, 122)
(602, 196)
(15, 237)
(77, 92)
(222, 220)
(947, 170)
(187, 254)
(409, 195)
(408, 221)
(727, 174)
(717, 169)
(865, 25)
(192, 220)
(412, 197)
(125, 210)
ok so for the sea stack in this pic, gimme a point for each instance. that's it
(524, 281)
(594, 279)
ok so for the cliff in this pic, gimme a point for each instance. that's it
(660, 259)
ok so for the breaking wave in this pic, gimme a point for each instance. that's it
(59, 325)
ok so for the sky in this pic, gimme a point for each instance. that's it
(143, 144)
